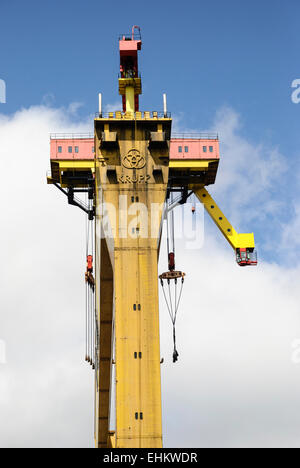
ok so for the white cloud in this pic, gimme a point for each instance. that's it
(234, 384)
(290, 236)
(74, 107)
(46, 389)
(256, 186)
(248, 171)
(113, 107)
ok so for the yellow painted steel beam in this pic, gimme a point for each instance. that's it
(198, 164)
(135, 83)
(235, 239)
(75, 164)
(111, 443)
(134, 258)
(130, 99)
(104, 311)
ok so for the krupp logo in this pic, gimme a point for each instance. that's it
(133, 160)
(2, 92)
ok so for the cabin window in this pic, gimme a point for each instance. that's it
(93, 149)
(211, 148)
(60, 149)
(186, 149)
(179, 149)
(204, 149)
(76, 149)
(70, 149)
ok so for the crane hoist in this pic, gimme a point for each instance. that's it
(127, 169)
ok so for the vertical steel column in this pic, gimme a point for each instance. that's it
(132, 183)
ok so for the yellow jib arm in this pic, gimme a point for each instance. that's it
(236, 240)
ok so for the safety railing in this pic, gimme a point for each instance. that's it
(130, 74)
(136, 115)
(129, 37)
(195, 136)
(71, 136)
(253, 256)
(178, 136)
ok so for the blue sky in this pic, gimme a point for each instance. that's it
(205, 55)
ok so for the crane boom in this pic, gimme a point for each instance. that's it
(239, 242)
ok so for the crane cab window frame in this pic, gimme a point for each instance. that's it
(59, 149)
(70, 149)
(204, 149)
(76, 149)
(211, 149)
(186, 149)
(179, 149)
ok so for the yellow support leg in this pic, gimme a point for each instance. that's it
(129, 94)
(127, 182)
(104, 310)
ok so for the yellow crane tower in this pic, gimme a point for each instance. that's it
(128, 168)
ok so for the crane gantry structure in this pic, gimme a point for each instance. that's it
(128, 169)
